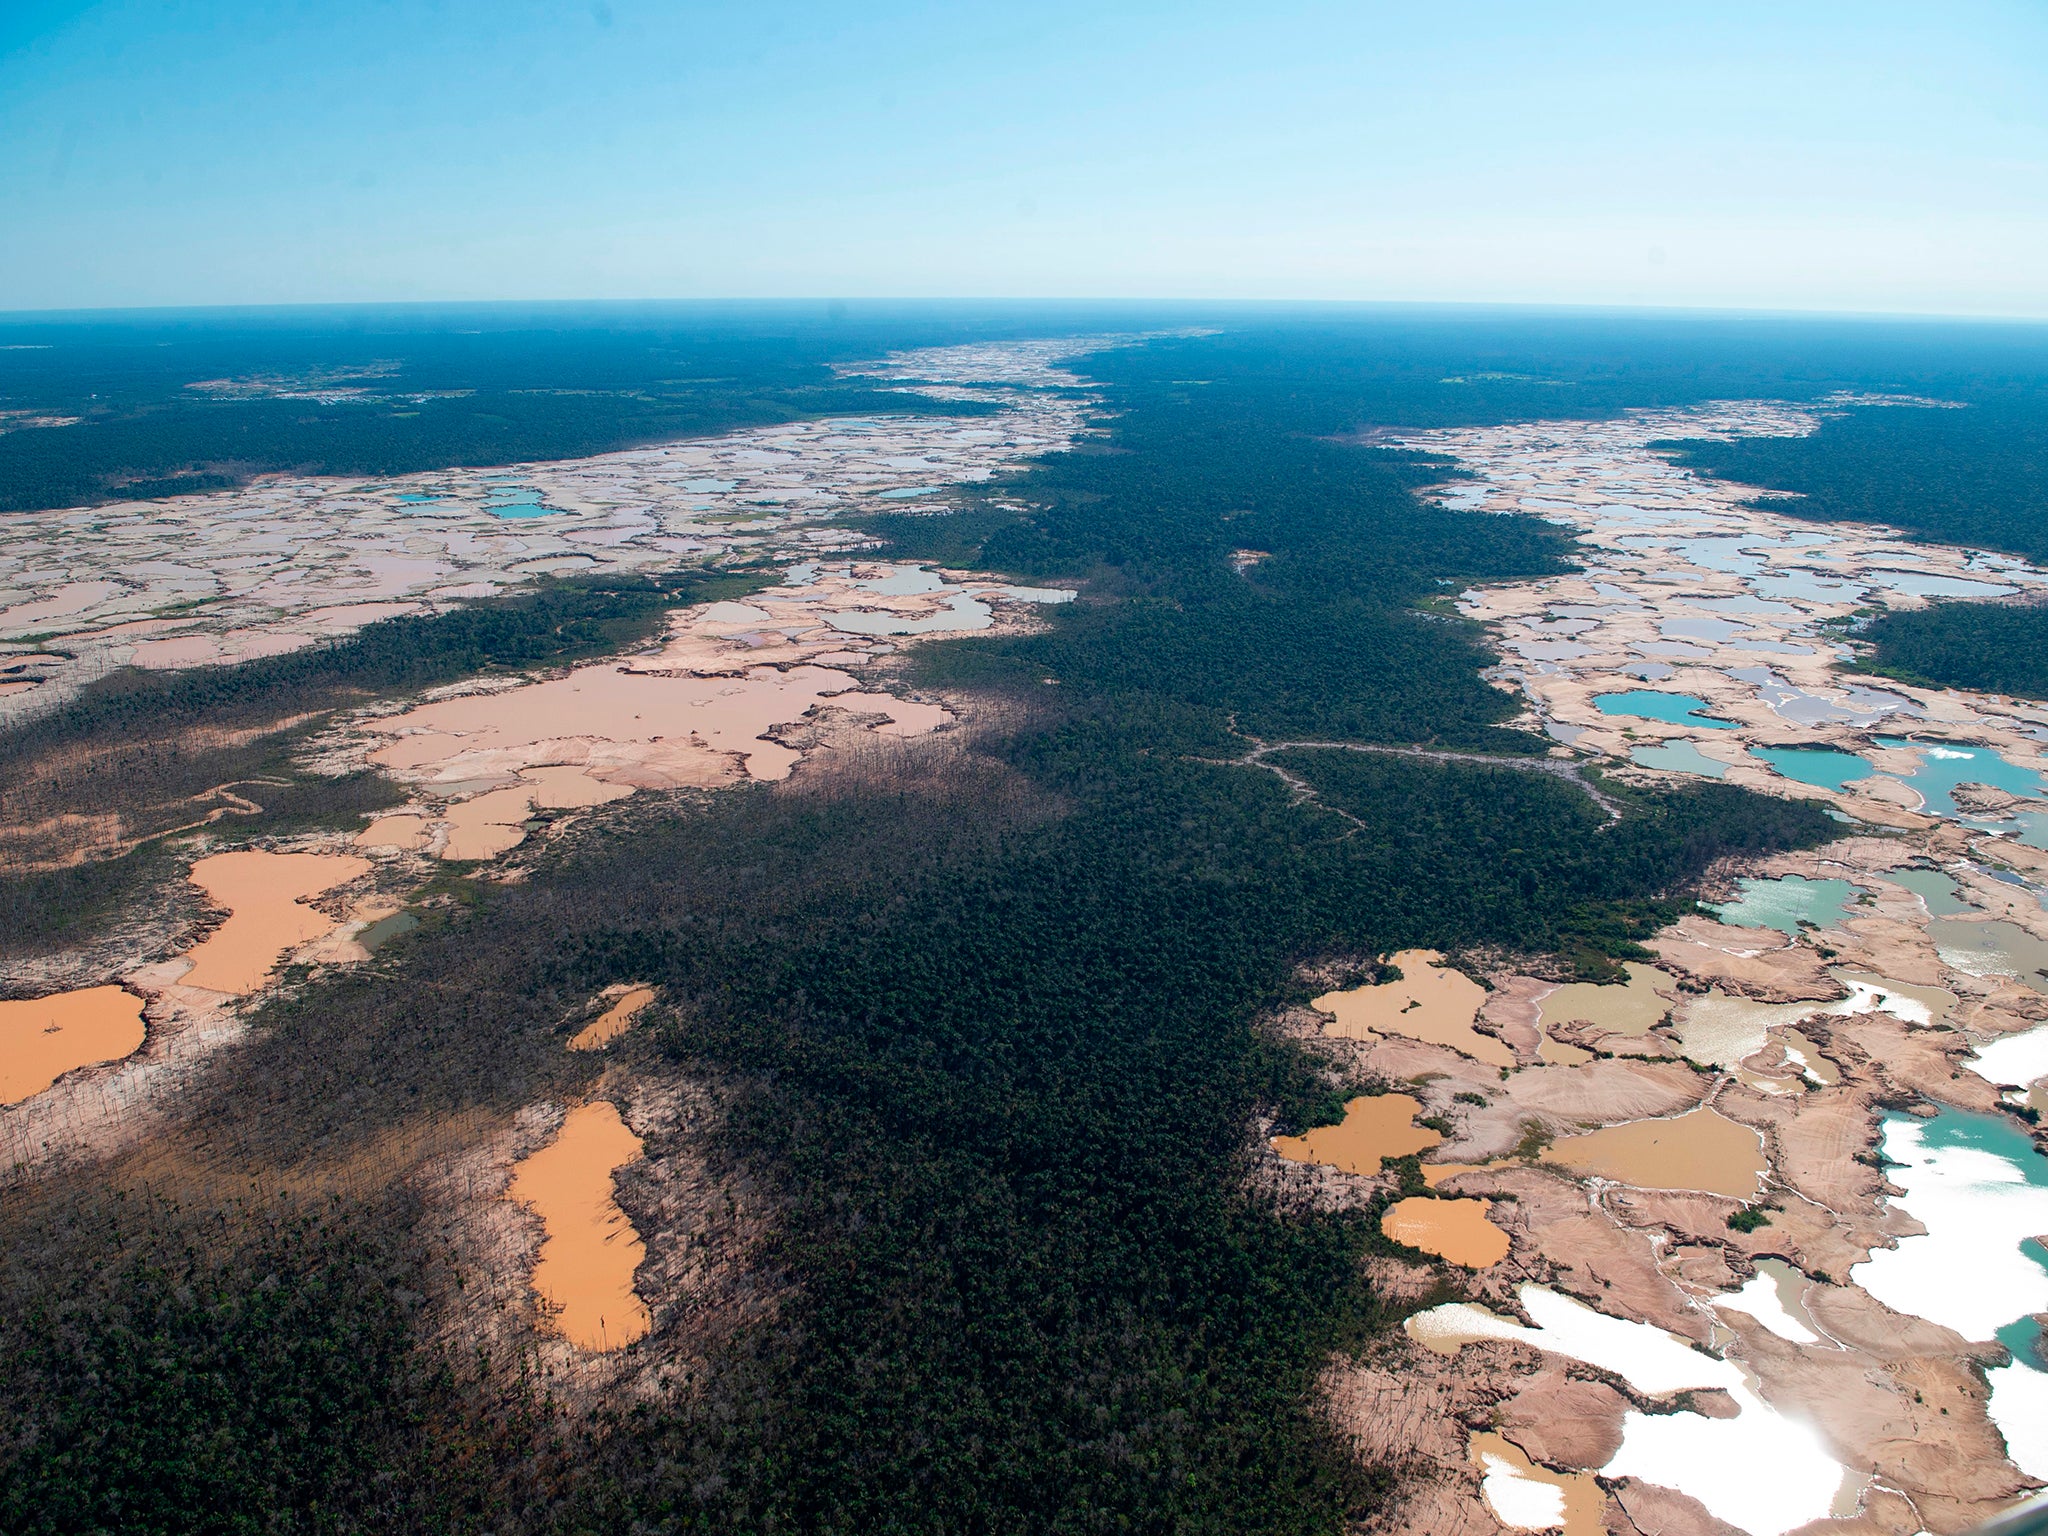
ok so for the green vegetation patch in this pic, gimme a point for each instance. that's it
(1971, 476)
(1986, 646)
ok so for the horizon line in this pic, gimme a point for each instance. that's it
(829, 302)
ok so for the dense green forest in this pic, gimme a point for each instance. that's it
(1987, 646)
(1976, 476)
(983, 1025)
(388, 390)
(165, 405)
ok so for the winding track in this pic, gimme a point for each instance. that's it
(1302, 790)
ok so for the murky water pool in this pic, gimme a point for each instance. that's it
(42, 1038)
(1786, 903)
(1375, 1127)
(585, 1272)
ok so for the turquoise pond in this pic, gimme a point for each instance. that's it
(1944, 765)
(1785, 904)
(517, 501)
(1678, 757)
(1655, 704)
(2031, 828)
(1943, 896)
(1822, 767)
(911, 490)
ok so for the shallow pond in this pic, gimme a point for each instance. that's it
(487, 825)
(386, 929)
(1927, 584)
(584, 1275)
(1991, 949)
(1655, 704)
(517, 502)
(1701, 1149)
(1822, 767)
(613, 1022)
(1941, 895)
(1773, 1297)
(1786, 903)
(42, 1038)
(1678, 757)
(1806, 586)
(1633, 1008)
(1527, 1497)
(1375, 1127)
(265, 894)
(2014, 1060)
(960, 615)
(1430, 1002)
(1451, 1229)
(1944, 765)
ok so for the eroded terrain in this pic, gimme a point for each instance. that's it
(1764, 1202)
(289, 561)
(729, 693)
(1739, 1238)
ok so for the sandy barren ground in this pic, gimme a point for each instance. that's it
(288, 561)
(730, 692)
(1801, 1036)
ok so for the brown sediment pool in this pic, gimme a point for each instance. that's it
(609, 1025)
(1525, 1497)
(1630, 1008)
(1701, 1149)
(265, 894)
(561, 787)
(1375, 1127)
(1451, 1229)
(488, 825)
(584, 1276)
(1991, 949)
(43, 1038)
(1431, 1003)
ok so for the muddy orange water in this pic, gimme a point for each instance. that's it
(45, 1037)
(1375, 1126)
(488, 825)
(609, 1025)
(1630, 1009)
(587, 1259)
(1430, 1002)
(267, 913)
(562, 787)
(1451, 1229)
(1700, 1149)
(1584, 1501)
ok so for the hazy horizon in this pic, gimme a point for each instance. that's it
(1163, 309)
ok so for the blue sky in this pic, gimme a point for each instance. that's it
(1865, 156)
